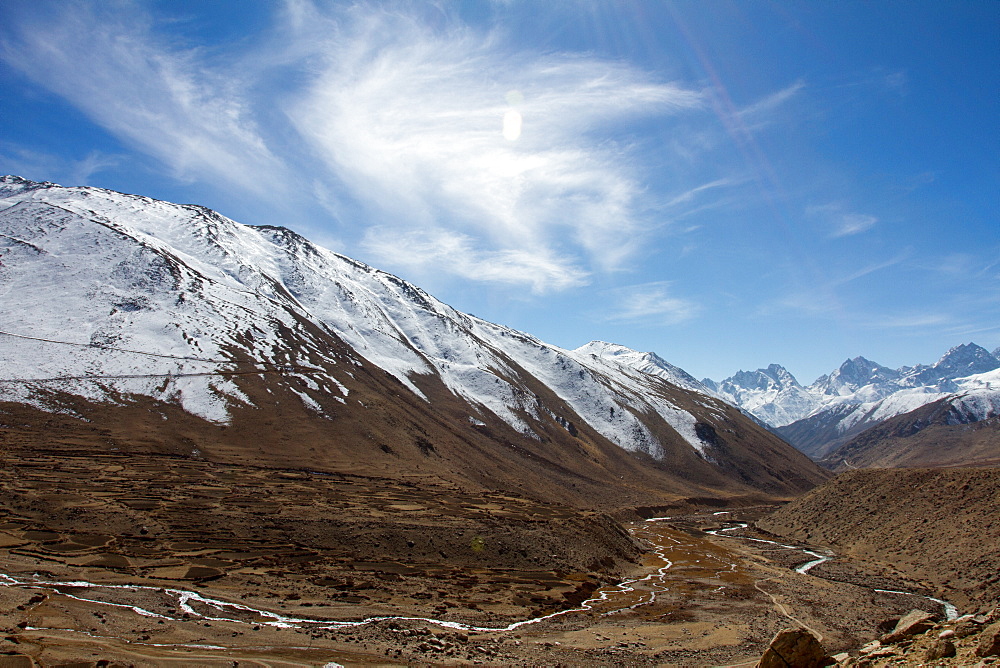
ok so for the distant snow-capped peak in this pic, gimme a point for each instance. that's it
(962, 360)
(772, 395)
(852, 375)
(874, 391)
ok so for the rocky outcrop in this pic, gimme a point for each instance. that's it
(794, 648)
(913, 623)
(989, 641)
(941, 649)
(16, 661)
(970, 640)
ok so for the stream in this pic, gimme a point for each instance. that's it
(196, 606)
(950, 611)
(200, 607)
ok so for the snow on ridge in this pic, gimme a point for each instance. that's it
(415, 333)
(859, 391)
(635, 369)
(184, 279)
(94, 279)
(647, 362)
(771, 395)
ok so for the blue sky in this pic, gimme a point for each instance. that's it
(728, 184)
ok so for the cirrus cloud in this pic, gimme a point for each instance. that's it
(399, 117)
(109, 61)
(650, 303)
(842, 223)
(411, 120)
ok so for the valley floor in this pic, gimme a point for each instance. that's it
(151, 561)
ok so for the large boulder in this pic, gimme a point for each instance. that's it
(941, 649)
(913, 623)
(989, 641)
(794, 648)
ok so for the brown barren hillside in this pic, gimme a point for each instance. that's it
(941, 526)
(926, 437)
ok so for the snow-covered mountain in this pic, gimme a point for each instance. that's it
(110, 297)
(649, 363)
(860, 394)
(959, 429)
(960, 361)
(772, 395)
(855, 376)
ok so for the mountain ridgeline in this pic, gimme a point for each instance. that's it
(184, 333)
(865, 414)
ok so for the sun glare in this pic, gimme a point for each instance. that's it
(511, 125)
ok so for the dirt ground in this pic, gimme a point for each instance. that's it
(150, 561)
(939, 526)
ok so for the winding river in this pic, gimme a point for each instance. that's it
(198, 606)
(950, 611)
(194, 605)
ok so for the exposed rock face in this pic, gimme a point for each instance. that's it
(794, 648)
(970, 640)
(16, 661)
(941, 649)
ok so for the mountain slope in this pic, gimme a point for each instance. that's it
(936, 525)
(125, 309)
(959, 430)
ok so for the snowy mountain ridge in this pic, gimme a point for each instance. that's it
(774, 391)
(772, 395)
(115, 276)
(861, 393)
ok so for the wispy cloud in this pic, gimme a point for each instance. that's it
(458, 254)
(763, 109)
(46, 167)
(411, 120)
(402, 116)
(106, 59)
(817, 300)
(897, 259)
(842, 223)
(689, 195)
(910, 321)
(823, 298)
(853, 223)
(649, 303)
